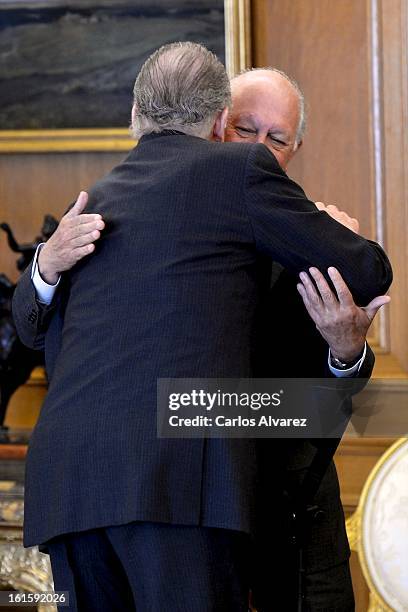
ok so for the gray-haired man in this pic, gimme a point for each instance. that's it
(132, 521)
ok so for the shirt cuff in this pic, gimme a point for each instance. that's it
(350, 371)
(44, 291)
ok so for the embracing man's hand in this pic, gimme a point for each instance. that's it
(72, 240)
(340, 216)
(342, 323)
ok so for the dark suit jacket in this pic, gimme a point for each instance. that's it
(299, 351)
(171, 292)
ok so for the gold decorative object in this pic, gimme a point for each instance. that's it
(358, 524)
(24, 569)
(237, 17)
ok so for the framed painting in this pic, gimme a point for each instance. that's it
(68, 66)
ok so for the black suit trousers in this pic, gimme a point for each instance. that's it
(152, 567)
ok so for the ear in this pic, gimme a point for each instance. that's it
(292, 154)
(220, 125)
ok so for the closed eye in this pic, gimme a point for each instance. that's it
(243, 130)
(280, 142)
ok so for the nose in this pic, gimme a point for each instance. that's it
(261, 138)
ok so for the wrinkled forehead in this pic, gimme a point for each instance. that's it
(263, 81)
(265, 101)
(269, 87)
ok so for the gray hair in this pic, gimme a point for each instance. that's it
(181, 86)
(302, 104)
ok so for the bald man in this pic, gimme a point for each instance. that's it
(268, 107)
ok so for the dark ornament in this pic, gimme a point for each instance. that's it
(16, 360)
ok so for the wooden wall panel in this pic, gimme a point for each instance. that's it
(393, 25)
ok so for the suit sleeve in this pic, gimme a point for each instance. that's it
(31, 317)
(289, 228)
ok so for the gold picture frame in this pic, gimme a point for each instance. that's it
(237, 55)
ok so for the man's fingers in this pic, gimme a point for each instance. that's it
(302, 291)
(309, 307)
(69, 230)
(343, 292)
(79, 205)
(303, 294)
(320, 205)
(333, 208)
(81, 252)
(89, 218)
(312, 295)
(375, 305)
(356, 225)
(326, 293)
(85, 239)
(78, 228)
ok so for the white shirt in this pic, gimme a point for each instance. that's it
(46, 292)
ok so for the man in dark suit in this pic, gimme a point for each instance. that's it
(132, 521)
(269, 108)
